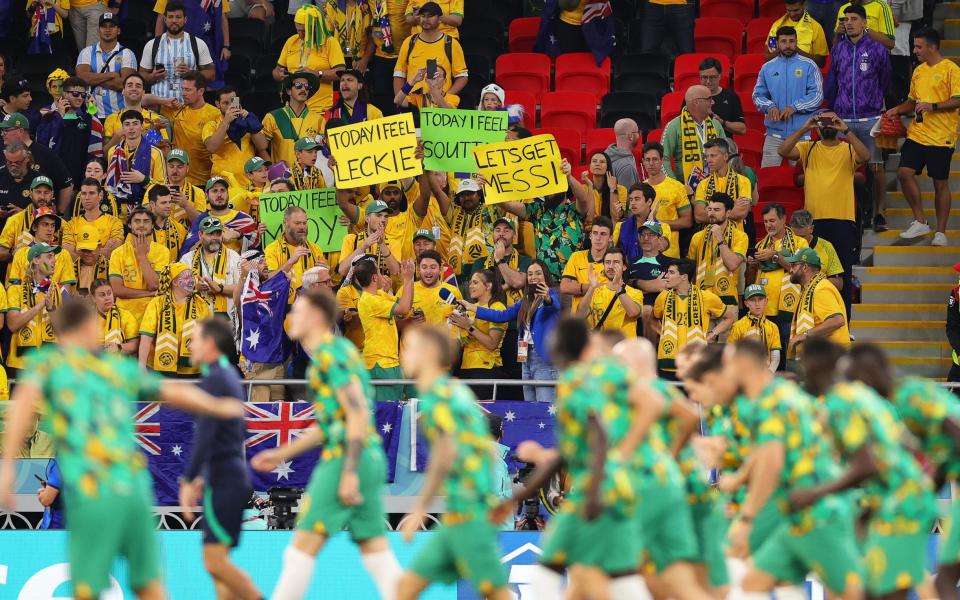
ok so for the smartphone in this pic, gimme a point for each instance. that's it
(431, 68)
(235, 102)
(42, 481)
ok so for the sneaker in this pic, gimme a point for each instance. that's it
(880, 223)
(916, 229)
(939, 239)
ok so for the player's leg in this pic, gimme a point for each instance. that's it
(139, 546)
(433, 563)
(299, 561)
(672, 542)
(223, 518)
(588, 583)
(230, 580)
(948, 572)
(366, 525)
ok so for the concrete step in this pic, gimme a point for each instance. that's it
(898, 200)
(895, 293)
(922, 367)
(938, 350)
(892, 238)
(912, 255)
(946, 10)
(901, 218)
(905, 274)
(898, 312)
(908, 331)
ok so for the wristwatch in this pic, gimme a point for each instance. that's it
(936, 106)
(472, 329)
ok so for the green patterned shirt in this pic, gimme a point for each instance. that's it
(559, 233)
(694, 474)
(87, 403)
(923, 406)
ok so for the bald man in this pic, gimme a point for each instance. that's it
(622, 162)
(700, 127)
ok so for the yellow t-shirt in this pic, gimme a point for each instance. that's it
(938, 83)
(351, 27)
(419, 100)
(399, 30)
(828, 179)
(427, 300)
(150, 325)
(617, 319)
(449, 7)
(879, 17)
(744, 187)
(574, 16)
(174, 229)
(229, 158)
(129, 327)
(16, 231)
(377, 319)
(347, 297)
(826, 303)
(620, 197)
(108, 228)
(112, 124)
(725, 282)
(671, 200)
(402, 227)
(125, 266)
(475, 354)
(310, 123)
(14, 303)
(64, 271)
(195, 195)
(672, 340)
(578, 269)
(746, 329)
(410, 61)
(810, 36)
(294, 57)
(776, 283)
(828, 257)
(278, 253)
(188, 126)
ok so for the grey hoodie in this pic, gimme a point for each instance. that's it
(623, 165)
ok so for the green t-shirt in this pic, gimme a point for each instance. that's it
(923, 406)
(725, 421)
(559, 233)
(694, 475)
(450, 408)
(335, 365)
(88, 402)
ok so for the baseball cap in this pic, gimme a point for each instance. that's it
(214, 181)
(503, 221)
(14, 120)
(807, 256)
(14, 87)
(108, 18)
(390, 184)
(255, 163)
(307, 143)
(38, 249)
(179, 154)
(210, 225)
(653, 226)
(377, 206)
(754, 290)
(87, 238)
(467, 185)
(425, 234)
(431, 8)
(41, 180)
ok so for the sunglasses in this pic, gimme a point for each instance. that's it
(301, 86)
(76, 94)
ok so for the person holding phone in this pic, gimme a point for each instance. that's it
(167, 57)
(430, 44)
(50, 496)
(70, 131)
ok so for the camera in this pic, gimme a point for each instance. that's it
(530, 519)
(283, 501)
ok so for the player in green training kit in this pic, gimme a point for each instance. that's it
(346, 486)
(461, 462)
(86, 397)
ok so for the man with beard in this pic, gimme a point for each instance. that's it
(292, 252)
(719, 250)
(44, 229)
(820, 310)
(684, 136)
(16, 231)
(470, 222)
(109, 228)
(188, 120)
(16, 174)
(371, 240)
(135, 266)
(429, 306)
(801, 222)
(240, 230)
(284, 126)
(134, 98)
(611, 305)
(716, 153)
(16, 128)
(104, 65)
(349, 108)
(217, 269)
(167, 57)
(788, 88)
(168, 232)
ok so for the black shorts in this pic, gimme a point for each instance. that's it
(935, 158)
(223, 514)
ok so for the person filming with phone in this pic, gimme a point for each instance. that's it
(50, 495)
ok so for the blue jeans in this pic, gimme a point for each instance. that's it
(675, 18)
(538, 369)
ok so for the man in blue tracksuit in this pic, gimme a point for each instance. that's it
(788, 89)
(858, 78)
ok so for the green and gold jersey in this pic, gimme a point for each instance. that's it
(336, 364)
(450, 408)
(694, 475)
(88, 402)
(923, 407)
(725, 421)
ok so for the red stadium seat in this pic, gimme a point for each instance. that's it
(775, 184)
(757, 31)
(524, 71)
(523, 34)
(529, 103)
(599, 140)
(670, 107)
(578, 72)
(569, 141)
(745, 72)
(654, 135)
(772, 8)
(720, 35)
(686, 69)
(575, 110)
(751, 147)
(741, 10)
(751, 116)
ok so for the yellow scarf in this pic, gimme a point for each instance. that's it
(711, 272)
(732, 188)
(100, 271)
(760, 324)
(113, 328)
(217, 302)
(788, 291)
(691, 146)
(108, 205)
(349, 26)
(468, 240)
(804, 320)
(171, 237)
(37, 331)
(670, 341)
(307, 180)
(173, 338)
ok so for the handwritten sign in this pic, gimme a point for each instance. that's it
(375, 151)
(449, 136)
(323, 216)
(520, 170)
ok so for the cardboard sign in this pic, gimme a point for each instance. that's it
(521, 170)
(375, 151)
(323, 216)
(449, 136)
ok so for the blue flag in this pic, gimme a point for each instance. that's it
(597, 28)
(263, 307)
(205, 21)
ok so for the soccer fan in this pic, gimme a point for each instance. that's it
(672, 202)
(105, 65)
(801, 221)
(16, 174)
(612, 304)
(72, 133)
(672, 17)
(45, 229)
(294, 120)
(134, 97)
(685, 135)
(66, 383)
(626, 233)
(481, 340)
(430, 95)
(167, 231)
(16, 232)
(719, 250)
(461, 464)
(246, 198)
(722, 178)
(880, 21)
(348, 482)
(370, 242)
(188, 198)
(623, 163)
(169, 321)
(304, 172)
(169, 56)
(388, 30)
(240, 230)
(935, 97)
(350, 24)
(138, 162)
(430, 44)
(209, 23)
(96, 169)
(450, 20)
(216, 269)
(726, 104)
(234, 137)
(108, 227)
(135, 266)
(756, 325)
(811, 40)
(820, 311)
(575, 274)
(315, 50)
(470, 221)
(609, 195)
(15, 128)
(786, 101)
(217, 470)
(292, 252)
(509, 264)
(645, 272)
(90, 265)
(188, 120)
(30, 305)
(120, 331)
(433, 299)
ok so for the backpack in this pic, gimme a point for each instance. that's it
(193, 46)
(447, 49)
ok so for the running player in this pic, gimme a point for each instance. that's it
(932, 414)
(346, 486)
(217, 469)
(461, 461)
(86, 398)
(897, 496)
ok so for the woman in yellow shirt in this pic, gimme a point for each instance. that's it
(481, 339)
(609, 197)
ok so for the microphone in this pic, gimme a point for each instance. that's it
(447, 296)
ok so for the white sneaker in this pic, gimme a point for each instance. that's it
(939, 239)
(916, 229)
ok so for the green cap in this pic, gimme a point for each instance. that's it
(503, 221)
(255, 163)
(425, 234)
(15, 121)
(214, 181)
(377, 206)
(179, 154)
(41, 180)
(754, 290)
(307, 143)
(653, 226)
(807, 256)
(38, 249)
(210, 225)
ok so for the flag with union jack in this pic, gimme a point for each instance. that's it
(115, 168)
(241, 222)
(263, 307)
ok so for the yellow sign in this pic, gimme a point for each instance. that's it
(375, 151)
(520, 170)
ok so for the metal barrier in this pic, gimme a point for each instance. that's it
(496, 383)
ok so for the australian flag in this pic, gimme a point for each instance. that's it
(263, 307)
(597, 28)
(115, 168)
(205, 20)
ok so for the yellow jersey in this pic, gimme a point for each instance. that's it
(295, 57)
(279, 252)
(412, 60)
(938, 83)
(376, 312)
(617, 319)
(283, 127)
(188, 126)
(125, 266)
(475, 354)
(578, 269)
(670, 201)
(449, 7)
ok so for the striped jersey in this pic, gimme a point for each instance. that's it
(107, 100)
